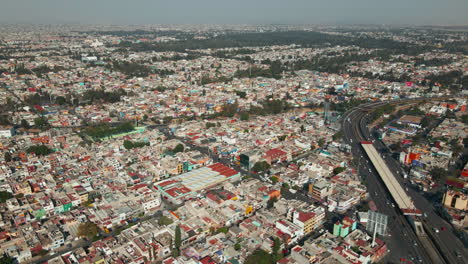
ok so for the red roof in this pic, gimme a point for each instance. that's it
(275, 152)
(223, 169)
(455, 182)
(304, 217)
(39, 108)
(207, 260)
(464, 173)
(166, 183)
(178, 191)
(297, 248)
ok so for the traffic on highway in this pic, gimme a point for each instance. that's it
(403, 242)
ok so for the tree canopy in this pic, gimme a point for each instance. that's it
(4, 195)
(39, 150)
(261, 166)
(259, 257)
(105, 130)
(134, 144)
(164, 220)
(88, 230)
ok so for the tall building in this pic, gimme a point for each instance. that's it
(309, 221)
(344, 227)
(320, 190)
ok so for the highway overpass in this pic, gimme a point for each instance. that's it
(397, 192)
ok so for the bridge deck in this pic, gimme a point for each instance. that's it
(399, 195)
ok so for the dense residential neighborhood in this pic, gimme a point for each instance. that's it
(169, 144)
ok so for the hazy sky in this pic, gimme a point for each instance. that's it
(235, 11)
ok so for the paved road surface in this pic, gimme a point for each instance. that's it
(403, 243)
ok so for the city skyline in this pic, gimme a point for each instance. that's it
(418, 12)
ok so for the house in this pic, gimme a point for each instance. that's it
(274, 155)
(412, 121)
(7, 131)
(343, 228)
(309, 220)
(321, 189)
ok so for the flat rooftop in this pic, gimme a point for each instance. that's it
(197, 180)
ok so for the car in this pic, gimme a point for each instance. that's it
(436, 230)
(443, 228)
(393, 205)
(414, 243)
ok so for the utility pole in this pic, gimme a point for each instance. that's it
(375, 233)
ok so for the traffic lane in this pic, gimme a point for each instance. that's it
(396, 168)
(448, 238)
(397, 243)
(390, 210)
(436, 221)
(401, 242)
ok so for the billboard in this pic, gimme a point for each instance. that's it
(377, 222)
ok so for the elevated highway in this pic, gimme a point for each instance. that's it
(403, 201)
(412, 237)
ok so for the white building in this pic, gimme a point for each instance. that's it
(7, 131)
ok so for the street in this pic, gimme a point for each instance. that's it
(403, 242)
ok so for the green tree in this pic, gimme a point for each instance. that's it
(438, 174)
(456, 148)
(241, 94)
(302, 129)
(425, 122)
(464, 119)
(177, 240)
(284, 187)
(128, 144)
(7, 259)
(167, 119)
(88, 230)
(178, 148)
(274, 179)
(259, 257)
(338, 170)
(261, 166)
(275, 254)
(164, 220)
(60, 100)
(39, 150)
(338, 135)
(4, 195)
(237, 246)
(7, 156)
(40, 122)
(178, 237)
(396, 147)
(244, 116)
(282, 137)
(175, 252)
(223, 229)
(271, 202)
(321, 142)
(209, 125)
(25, 124)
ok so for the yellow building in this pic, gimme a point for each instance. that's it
(456, 200)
